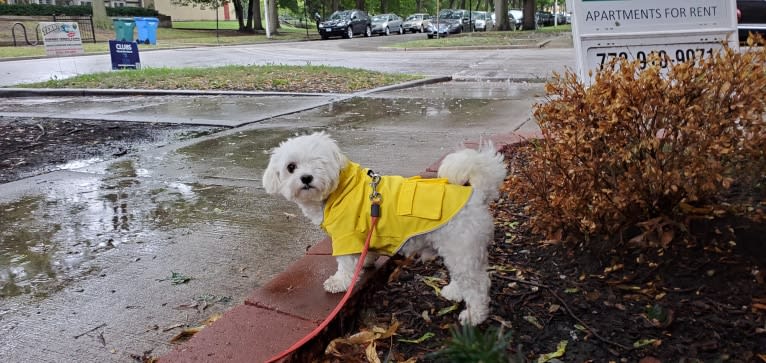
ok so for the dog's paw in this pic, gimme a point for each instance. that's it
(427, 255)
(336, 284)
(473, 317)
(369, 261)
(452, 292)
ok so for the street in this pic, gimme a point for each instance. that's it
(465, 64)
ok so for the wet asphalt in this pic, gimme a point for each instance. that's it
(93, 258)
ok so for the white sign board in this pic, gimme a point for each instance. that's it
(61, 38)
(677, 30)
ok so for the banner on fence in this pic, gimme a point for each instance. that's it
(61, 38)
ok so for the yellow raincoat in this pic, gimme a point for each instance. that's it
(409, 207)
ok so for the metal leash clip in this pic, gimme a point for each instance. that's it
(374, 196)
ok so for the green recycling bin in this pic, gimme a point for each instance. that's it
(123, 29)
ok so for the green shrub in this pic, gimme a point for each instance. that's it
(640, 148)
(470, 345)
(131, 11)
(70, 10)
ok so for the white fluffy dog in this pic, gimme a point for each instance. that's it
(311, 171)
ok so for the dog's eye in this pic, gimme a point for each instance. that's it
(291, 168)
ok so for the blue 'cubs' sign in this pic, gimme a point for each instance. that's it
(124, 54)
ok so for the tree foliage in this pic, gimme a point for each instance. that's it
(249, 14)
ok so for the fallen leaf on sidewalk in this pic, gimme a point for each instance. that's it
(177, 278)
(187, 333)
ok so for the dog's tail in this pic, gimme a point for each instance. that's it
(483, 169)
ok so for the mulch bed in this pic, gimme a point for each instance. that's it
(31, 146)
(699, 301)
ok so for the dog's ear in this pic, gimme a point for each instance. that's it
(338, 157)
(271, 177)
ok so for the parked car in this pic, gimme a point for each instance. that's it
(467, 21)
(561, 18)
(387, 23)
(416, 23)
(482, 21)
(544, 18)
(516, 18)
(449, 22)
(751, 15)
(346, 23)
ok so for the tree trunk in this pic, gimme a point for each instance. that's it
(240, 14)
(418, 6)
(254, 15)
(360, 4)
(100, 20)
(273, 16)
(501, 15)
(529, 14)
(257, 15)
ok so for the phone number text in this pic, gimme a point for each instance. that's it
(663, 57)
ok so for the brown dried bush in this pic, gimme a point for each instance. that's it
(639, 148)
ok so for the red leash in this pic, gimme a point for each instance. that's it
(375, 215)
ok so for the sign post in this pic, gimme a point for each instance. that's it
(675, 30)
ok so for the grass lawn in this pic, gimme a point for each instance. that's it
(183, 34)
(235, 78)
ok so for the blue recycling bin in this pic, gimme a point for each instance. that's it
(146, 29)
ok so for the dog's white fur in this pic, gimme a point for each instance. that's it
(305, 170)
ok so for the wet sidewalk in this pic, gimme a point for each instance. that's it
(115, 258)
(287, 308)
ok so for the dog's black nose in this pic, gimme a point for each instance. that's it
(306, 179)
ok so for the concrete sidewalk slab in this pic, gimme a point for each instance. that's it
(208, 110)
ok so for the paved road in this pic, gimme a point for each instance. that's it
(366, 53)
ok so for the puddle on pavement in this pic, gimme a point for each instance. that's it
(51, 238)
(239, 154)
(487, 90)
(55, 236)
(424, 114)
